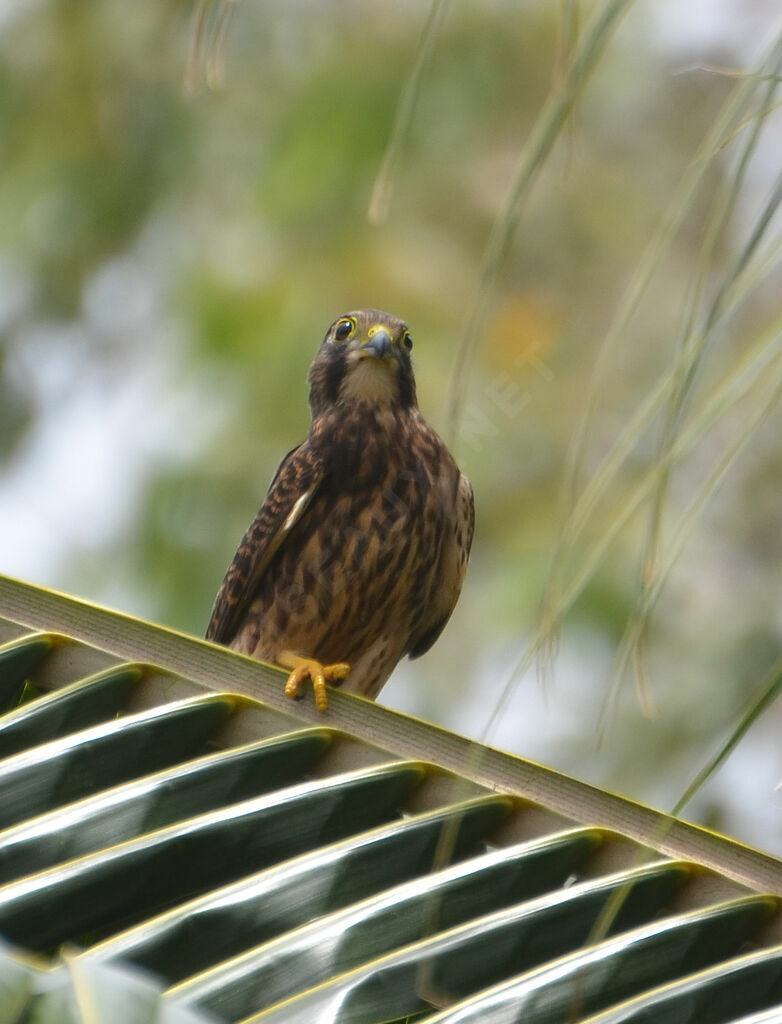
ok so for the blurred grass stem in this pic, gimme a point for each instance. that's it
(575, 512)
(533, 155)
(762, 363)
(380, 200)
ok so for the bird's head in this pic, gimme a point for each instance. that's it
(365, 357)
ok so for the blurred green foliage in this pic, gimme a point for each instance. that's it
(191, 249)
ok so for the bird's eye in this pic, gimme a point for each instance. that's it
(408, 340)
(343, 330)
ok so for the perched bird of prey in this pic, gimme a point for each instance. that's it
(357, 555)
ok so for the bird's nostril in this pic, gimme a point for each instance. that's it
(379, 341)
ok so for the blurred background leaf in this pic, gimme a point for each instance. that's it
(172, 252)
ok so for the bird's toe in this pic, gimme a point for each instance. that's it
(309, 668)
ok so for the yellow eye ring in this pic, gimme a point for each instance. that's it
(407, 340)
(344, 328)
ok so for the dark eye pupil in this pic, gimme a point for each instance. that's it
(344, 327)
(408, 342)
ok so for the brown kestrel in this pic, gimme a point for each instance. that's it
(358, 553)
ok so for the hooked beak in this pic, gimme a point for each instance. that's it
(378, 344)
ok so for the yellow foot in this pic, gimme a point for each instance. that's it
(309, 668)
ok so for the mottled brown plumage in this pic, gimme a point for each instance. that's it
(358, 553)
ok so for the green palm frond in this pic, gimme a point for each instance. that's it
(180, 843)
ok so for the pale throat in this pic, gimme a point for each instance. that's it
(369, 380)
